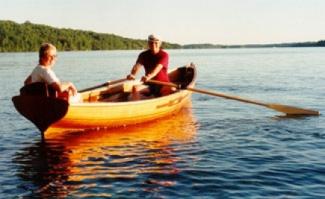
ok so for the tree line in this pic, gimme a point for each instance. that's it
(15, 37)
(26, 37)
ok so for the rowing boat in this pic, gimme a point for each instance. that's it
(104, 107)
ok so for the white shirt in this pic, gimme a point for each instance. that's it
(44, 74)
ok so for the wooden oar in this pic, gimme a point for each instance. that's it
(289, 110)
(103, 85)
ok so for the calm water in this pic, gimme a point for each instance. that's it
(215, 148)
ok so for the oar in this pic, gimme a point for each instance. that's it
(103, 85)
(289, 110)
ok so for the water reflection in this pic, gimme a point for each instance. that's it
(83, 163)
(45, 168)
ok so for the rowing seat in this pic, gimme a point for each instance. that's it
(38, 89)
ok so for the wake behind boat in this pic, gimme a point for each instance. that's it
(103, 107)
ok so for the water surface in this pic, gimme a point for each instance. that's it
(213, 148)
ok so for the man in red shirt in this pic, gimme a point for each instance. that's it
(155, 62)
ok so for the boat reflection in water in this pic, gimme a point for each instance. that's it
(100, 163)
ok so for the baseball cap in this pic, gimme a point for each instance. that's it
(154, 37)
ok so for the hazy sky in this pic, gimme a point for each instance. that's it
(180, 21)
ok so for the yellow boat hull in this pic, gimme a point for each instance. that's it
(111, 114)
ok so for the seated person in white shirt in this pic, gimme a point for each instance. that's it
(43, 73)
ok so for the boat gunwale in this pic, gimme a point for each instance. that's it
(142, 101)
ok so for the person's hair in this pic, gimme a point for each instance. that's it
(44, 50)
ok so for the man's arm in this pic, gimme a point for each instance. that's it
(154, 72)
(67, 86)
(134, 71)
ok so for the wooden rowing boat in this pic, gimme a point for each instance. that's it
(104, 107)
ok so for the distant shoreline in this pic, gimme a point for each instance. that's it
(320, 43)
(27, 37)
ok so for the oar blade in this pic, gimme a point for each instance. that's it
(291, 110)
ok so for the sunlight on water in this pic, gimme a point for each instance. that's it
(128, 155)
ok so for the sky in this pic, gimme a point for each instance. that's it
(180, 21)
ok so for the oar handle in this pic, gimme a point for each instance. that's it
(163, 83)
(102, 85)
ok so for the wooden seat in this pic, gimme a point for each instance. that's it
(38, 89)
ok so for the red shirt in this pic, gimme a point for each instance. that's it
(150, 61)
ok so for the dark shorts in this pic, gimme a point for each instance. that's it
(155, 90)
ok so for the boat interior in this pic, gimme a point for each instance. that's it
(120, 92)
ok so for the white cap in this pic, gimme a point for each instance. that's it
(154, 37)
